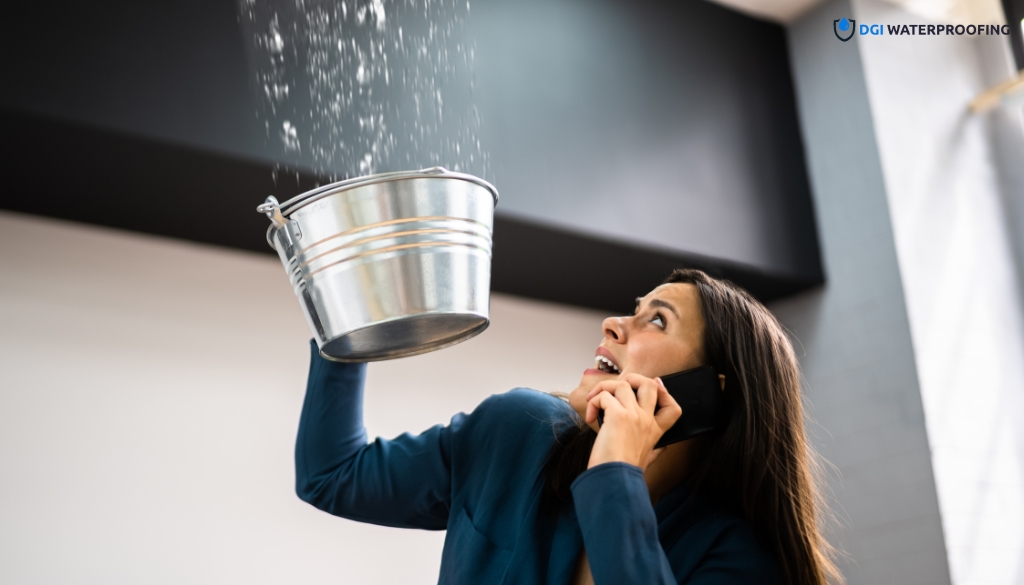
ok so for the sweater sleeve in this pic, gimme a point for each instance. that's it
(620, 534)
(403, 482)
(620, 530)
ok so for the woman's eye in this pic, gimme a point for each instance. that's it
(657, 320)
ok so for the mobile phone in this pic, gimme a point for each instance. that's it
(699, 394)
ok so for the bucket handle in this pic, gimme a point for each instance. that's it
(273, 211)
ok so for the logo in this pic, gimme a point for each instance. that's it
(847, 27)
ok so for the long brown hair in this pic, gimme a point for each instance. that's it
(758, 464)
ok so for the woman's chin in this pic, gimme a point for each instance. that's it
(578, 398)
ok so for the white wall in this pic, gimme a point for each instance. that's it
(149, 395)
(956, 254)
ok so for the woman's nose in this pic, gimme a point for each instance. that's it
(615, 329)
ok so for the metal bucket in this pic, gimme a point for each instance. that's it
(390, 265)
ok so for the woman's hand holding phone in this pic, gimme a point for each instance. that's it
(631, 426)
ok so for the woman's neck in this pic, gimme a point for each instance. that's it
(670, 468)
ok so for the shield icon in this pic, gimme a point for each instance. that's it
(842, 26)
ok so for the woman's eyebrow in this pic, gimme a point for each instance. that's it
(657, 303)
(666, 305)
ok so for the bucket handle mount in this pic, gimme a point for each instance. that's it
(273, 211)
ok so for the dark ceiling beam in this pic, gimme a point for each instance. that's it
(74, 172)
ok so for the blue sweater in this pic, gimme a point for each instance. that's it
(481, 479)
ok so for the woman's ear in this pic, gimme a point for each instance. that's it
(721, 381)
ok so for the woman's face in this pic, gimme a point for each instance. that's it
(663, 337)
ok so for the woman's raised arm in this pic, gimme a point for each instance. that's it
(404, 482)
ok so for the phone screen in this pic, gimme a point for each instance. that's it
(699, 394)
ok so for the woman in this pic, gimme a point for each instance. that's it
(532, 490)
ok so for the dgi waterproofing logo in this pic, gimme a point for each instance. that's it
(844, 27)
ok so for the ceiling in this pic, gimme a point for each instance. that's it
(787, 11)
(781, 11)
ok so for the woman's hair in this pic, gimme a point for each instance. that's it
(758, 463)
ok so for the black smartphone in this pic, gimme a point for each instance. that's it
(699, 394)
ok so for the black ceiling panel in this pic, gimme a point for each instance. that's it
(71, 171)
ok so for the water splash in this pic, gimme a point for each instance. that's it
(365, 86)
(290, 137)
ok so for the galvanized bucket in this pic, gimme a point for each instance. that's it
(389, 265)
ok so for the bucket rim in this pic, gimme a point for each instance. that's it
(303, 199)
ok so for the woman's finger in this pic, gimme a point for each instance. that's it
(625, 393)
(603, 401)
(646, 392)
(612, 387)
(605, 386)
(669, 410)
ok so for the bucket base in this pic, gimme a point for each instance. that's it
(404, 337)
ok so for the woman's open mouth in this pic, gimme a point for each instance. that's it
(606, 365)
